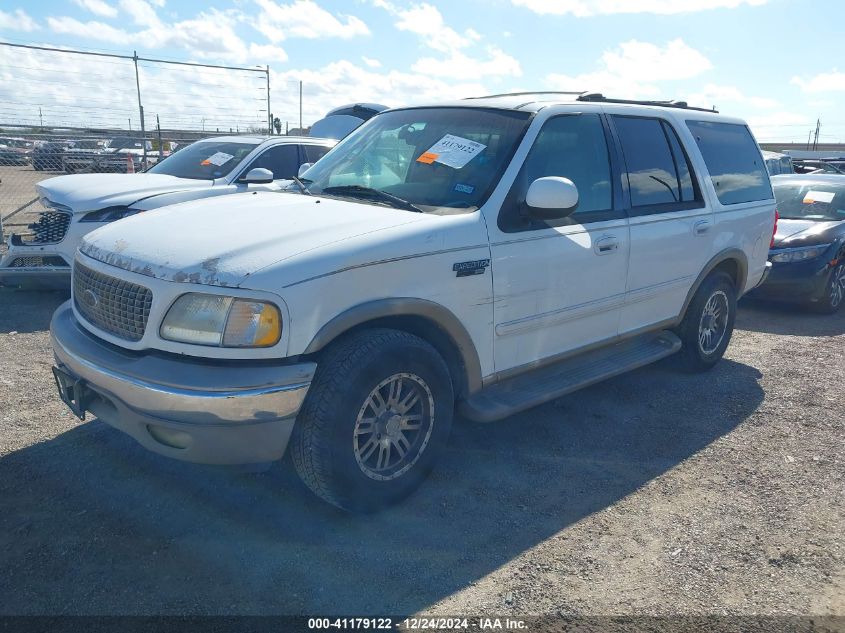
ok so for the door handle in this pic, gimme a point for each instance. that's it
(606, 245)
(701, 227)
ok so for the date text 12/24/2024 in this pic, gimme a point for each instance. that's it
(418, 624)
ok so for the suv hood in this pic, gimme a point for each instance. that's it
(221, 241)
(89, 192)
(806, 232)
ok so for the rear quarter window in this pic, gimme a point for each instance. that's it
(734, 161)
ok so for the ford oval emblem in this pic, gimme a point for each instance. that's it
(90, 298)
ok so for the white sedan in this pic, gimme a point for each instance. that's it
(77, 204)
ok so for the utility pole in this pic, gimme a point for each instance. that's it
(300, 106)
(140, 107)
(160, 146)
(269, 114)
(816, 138)
(41, 118)
(809, 135)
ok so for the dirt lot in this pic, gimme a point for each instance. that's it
(653, 493)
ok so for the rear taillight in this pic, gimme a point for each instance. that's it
(775, 229)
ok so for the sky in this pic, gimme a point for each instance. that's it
(775, 63)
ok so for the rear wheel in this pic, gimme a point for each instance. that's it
(377, 416)
(834, 294)
(708, 323)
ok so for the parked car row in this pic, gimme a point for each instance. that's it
(486, 255)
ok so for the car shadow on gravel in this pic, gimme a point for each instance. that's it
(94, 524)
(755, 315)
(25, 311)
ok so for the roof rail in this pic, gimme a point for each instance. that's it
(598, 97)
(529, 93)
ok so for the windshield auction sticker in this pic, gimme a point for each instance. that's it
(218, 158)
(452, 151)
(818, 196)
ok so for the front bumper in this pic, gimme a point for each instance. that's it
(221, 412)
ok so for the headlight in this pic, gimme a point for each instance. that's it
(109, 214)
(222, 321)
(799, 254)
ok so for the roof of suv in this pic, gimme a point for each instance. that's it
(257, 139)
(536, 101)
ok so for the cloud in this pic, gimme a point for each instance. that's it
(823, 82)
(632, 69)
(461, 66)
(97, 7)
(208, 35)
(426, 21)
(17, 21)
(586, 8)
(305, 19)
(344, 82)
(92, 29)
(715, 94)
(372, 63)
(781, 125)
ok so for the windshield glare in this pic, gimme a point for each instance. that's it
(435, 158)
(204, 160)
(810, 201)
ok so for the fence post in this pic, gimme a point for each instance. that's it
(140, 107)
(160, 146)
(269, 114)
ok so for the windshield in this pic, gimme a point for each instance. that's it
(811, 201)
(205, 160)
(86, 144)
(434, 158)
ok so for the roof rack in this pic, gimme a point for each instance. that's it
(598, 97)
(529, 93)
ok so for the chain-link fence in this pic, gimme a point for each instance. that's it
(67, 112)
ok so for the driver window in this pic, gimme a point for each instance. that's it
(573, 147)
(282, 160)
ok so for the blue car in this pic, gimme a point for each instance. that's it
(808, 249)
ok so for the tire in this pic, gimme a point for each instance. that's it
(700, 351)
(347, 441)
(834, 292)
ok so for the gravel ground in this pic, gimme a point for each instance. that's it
(652, 493)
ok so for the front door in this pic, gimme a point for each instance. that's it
(559, 286)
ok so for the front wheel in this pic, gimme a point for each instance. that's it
(834, 292)
(377, 416)
(708, 323)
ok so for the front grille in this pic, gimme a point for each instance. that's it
(50, 228)
(37, 260)
(116, 306)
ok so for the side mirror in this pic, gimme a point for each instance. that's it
(303, 168)
(551, 198)
(257, 176)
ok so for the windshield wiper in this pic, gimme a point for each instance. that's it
(302, 188)
(369, 192)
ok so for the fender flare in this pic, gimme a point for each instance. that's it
(434, 313)
(729, 254)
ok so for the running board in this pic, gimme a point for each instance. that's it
(547, 383)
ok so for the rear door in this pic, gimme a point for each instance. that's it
(671, 228)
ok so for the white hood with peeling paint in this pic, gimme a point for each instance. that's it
(222, 241)
(90, 192)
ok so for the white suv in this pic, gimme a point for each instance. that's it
(492, 254)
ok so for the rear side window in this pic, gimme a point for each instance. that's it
(733, 160)
(658, 170)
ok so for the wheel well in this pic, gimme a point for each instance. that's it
(430, 332)
(731, 267)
